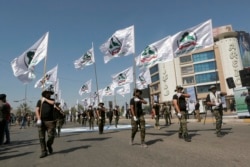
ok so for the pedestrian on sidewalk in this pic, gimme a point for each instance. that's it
(197, 111)
(24, 119)
(214, 101)
(3, 112)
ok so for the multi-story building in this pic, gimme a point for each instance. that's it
(202, 68)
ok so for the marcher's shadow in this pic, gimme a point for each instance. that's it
(90, 139)
(64, 135)
(168, 133)
(151, 142)
(72, 149)
(107, 132)
(14, 156)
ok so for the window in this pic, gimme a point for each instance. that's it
(185, 59)
(187, 70)
(188, 80)
(203, 56)
(155, 78)
(154, 69)
(204, 66)
(155, 88)
(205, 88)
(207, 77)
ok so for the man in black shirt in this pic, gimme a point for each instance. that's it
(45, 121)
(180, 105)
(101, 117)
(137, 118)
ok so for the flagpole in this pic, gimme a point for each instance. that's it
(44, 72)
(98, 99)
(175, 73)
(44, 66)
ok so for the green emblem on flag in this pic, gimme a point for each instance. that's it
(28, 58)
(115, 46)
(149, 53)
(188, 39)
(86, 58)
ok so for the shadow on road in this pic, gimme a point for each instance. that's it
(14, 156)
(72, 149)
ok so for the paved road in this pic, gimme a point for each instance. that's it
(112, 148)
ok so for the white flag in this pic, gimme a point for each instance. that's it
(86, 102)
(108, 90)
(87, 59)
(123, 77)
(48, 79)
(197, 37)
(23, 66)
(125, 89)
(57, 91)
(121, 43)
(86, 88)
(156, 52)
(144, 79)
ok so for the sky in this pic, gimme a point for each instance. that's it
(73, 26)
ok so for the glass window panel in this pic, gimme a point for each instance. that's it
(187, 70)
(188, 80)
(208, 77)
(185, 59)
(204, 66)
(205, 88)
(154, 69)
(155, 78)
(203, 56)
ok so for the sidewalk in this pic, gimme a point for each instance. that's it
(227, 117)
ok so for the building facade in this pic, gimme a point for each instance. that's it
(201, 69)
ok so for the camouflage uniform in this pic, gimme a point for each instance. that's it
(91, 118)
(116, 117)
(156, 109)
(138, 124)
(101, 121)
(179, 102)
(48, 126)
(166, 113)
(137, 120)
(59, 118)
(214, 101)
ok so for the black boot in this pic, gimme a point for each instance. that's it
(187, 138)
(180, 136)
(44, 154)
(219, 135)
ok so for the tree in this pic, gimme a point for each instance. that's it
(24, 108)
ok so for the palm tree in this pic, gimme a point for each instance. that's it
(24, 108)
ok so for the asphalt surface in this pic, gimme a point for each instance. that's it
(112, 149)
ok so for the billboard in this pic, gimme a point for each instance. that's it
(241, 107)
(244, 46)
